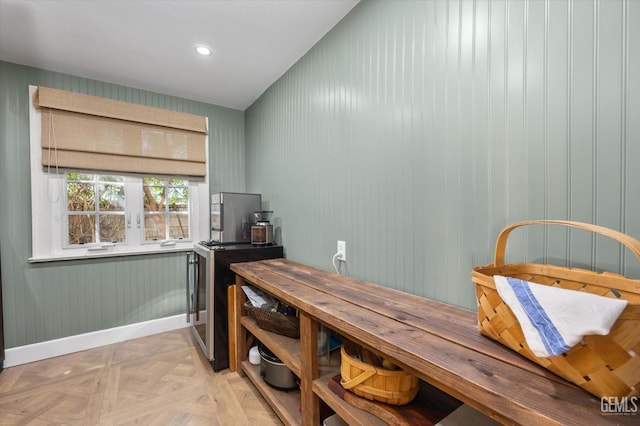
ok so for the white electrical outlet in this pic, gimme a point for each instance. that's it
(342, 251)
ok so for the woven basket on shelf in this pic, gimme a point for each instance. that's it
(604, 366)
(287, 325)
(395, 387)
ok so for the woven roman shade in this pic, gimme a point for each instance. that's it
(92, 133)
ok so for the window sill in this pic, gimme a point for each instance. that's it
(103, 254)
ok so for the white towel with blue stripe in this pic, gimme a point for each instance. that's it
(555, 319)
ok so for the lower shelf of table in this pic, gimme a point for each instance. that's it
(286, 404)
(347, 412)
(430, 406)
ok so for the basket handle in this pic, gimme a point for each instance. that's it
(501, 244)
(348, 384)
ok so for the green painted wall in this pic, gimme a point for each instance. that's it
(417, 130)
(52, 300)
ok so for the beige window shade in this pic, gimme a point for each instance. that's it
(88, 132)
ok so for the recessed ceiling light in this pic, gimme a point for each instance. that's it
(203, 50)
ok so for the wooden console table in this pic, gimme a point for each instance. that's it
(439, 343)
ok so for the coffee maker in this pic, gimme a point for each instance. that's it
(262, 230)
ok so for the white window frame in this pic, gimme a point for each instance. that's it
(48, 215)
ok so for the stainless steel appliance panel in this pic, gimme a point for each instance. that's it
(201, 299)
(232, 216)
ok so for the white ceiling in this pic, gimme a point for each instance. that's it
(149, 44)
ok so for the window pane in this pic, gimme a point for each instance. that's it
(79, 177)
(111, 178)
(152, 181)
(178, 226)
(166, 207)
(112, 228)
(83, 192)
(81, 229)
(154, 198)
(178, 199)
(80, 197)
(111, 198)
(154, 227)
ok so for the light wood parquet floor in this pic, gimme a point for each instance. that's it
(157, 380)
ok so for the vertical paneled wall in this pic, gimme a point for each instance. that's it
(417, 130)
(52, 300)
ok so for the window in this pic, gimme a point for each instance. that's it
(95, 209)
(79, 214)
(166, 209)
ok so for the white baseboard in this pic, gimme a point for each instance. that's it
(66, 345)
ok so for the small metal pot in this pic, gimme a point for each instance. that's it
(274, 372)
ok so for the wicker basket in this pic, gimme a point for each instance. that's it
(395, 387)
(287, 325)
(604, 366)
